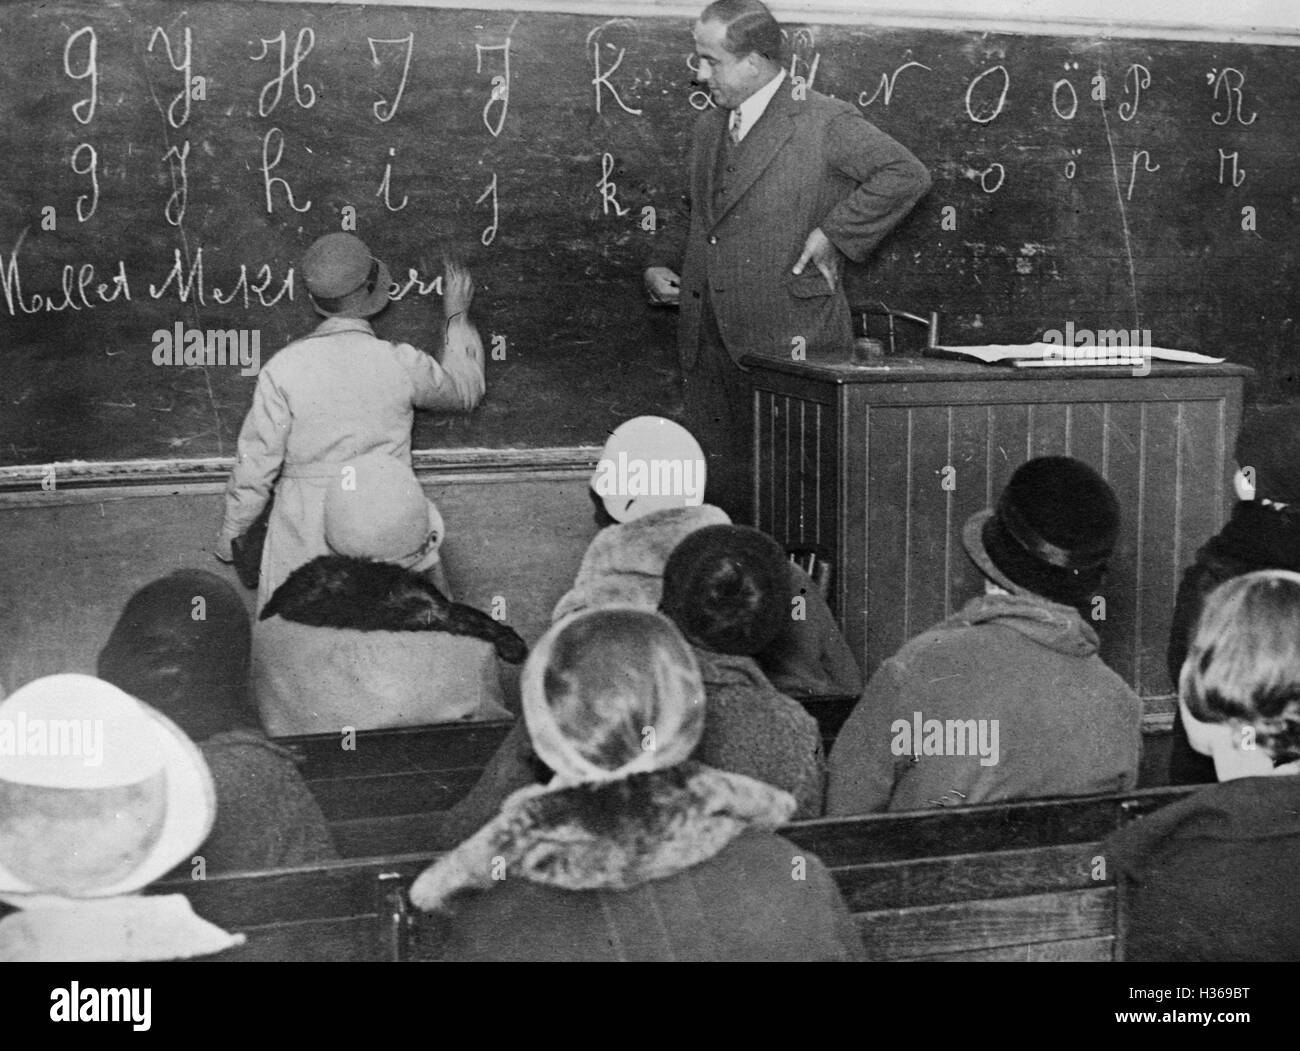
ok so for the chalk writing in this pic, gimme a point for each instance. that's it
(1056, 100)
(413, 281)
(1071, 166)
(92, 169)
(1145, 157)
(489, 234)
(1238, 175)
(303, 94)
(12, 283)
(1229, 82)
(386, 182)
(84, 110)
(264, 282)
(888, 81)
(984, 178)
(699, 99)
(381, 114)
(607, 187)
(500, 86)
(182, 65)
(269, 180)
(191, 285)
(1002, 97)
(176, 158)
(1140, 77)
(801, 85)
(602, 79)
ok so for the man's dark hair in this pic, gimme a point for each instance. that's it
(750, 27)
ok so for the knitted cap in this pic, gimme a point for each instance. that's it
(1269, 444)
(377, 510)
(1052, 532)
(727, 588)
(339, 264)
(649, 464)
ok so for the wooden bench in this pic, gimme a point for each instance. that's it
(1003, 881)
(386, 793)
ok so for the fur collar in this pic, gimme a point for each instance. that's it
(338, 591)
(625, 563)
(611, 836)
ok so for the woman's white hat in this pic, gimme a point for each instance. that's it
(649, 464)
(79, 732)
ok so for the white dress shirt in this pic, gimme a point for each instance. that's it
(748, 112)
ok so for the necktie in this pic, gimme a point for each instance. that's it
(734, 132)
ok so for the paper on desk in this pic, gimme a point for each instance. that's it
(1056, 354)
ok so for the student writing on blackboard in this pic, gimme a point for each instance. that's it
(335, 395)
(784, 184)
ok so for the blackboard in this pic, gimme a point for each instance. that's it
(1050, 205)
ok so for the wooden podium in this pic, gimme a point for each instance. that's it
(877, 469)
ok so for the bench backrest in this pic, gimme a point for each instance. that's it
(997, 881)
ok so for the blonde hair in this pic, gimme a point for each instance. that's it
(1243, 664)
(612, 689)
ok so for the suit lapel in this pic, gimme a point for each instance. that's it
(713, 126)
(758, 149)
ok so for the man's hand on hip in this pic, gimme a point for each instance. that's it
(823, 255)
(663, 286)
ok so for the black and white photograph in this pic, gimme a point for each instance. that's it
(574, 481)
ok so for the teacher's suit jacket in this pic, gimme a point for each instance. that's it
(806, 163)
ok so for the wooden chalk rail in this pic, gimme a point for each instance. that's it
(1002, 881)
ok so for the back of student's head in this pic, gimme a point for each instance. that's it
(727, 588)
(612, 691)
(1243, 664)
(182, 645)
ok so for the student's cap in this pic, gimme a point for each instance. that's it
(339, 264)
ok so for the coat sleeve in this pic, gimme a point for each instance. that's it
(862, 764)
(890, 182)
(261, 448)
(458, 383)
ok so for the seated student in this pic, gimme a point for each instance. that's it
(1213, 877)
(360, 638)
(633, 851)
(337, 394)
(88, 820)
(182, 645)
(1007, 698)
(726, 589)
(640, 528)
(1263, 533)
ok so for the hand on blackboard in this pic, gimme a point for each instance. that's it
(662, 286)
(458, 289)
(824, 255)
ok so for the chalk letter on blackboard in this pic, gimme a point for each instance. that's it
(301, 49)
(490, 233)
(176, 157)
(699, 99)
(91, 169)
(1238, 174)
(593, 41)
(381, 114)
(1141, 78)
(1002, 98)
(1056, 100)
(85, 109)
(1146, 166)
(500, 86)
(984, 178)
(386, 182)
(608, 188)
(1230, 81)
(268, 179)
(887, 83)
(182, 65)
(184, 285)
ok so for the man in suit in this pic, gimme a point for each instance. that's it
(785, 183)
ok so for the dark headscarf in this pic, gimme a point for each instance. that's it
(182, 645)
